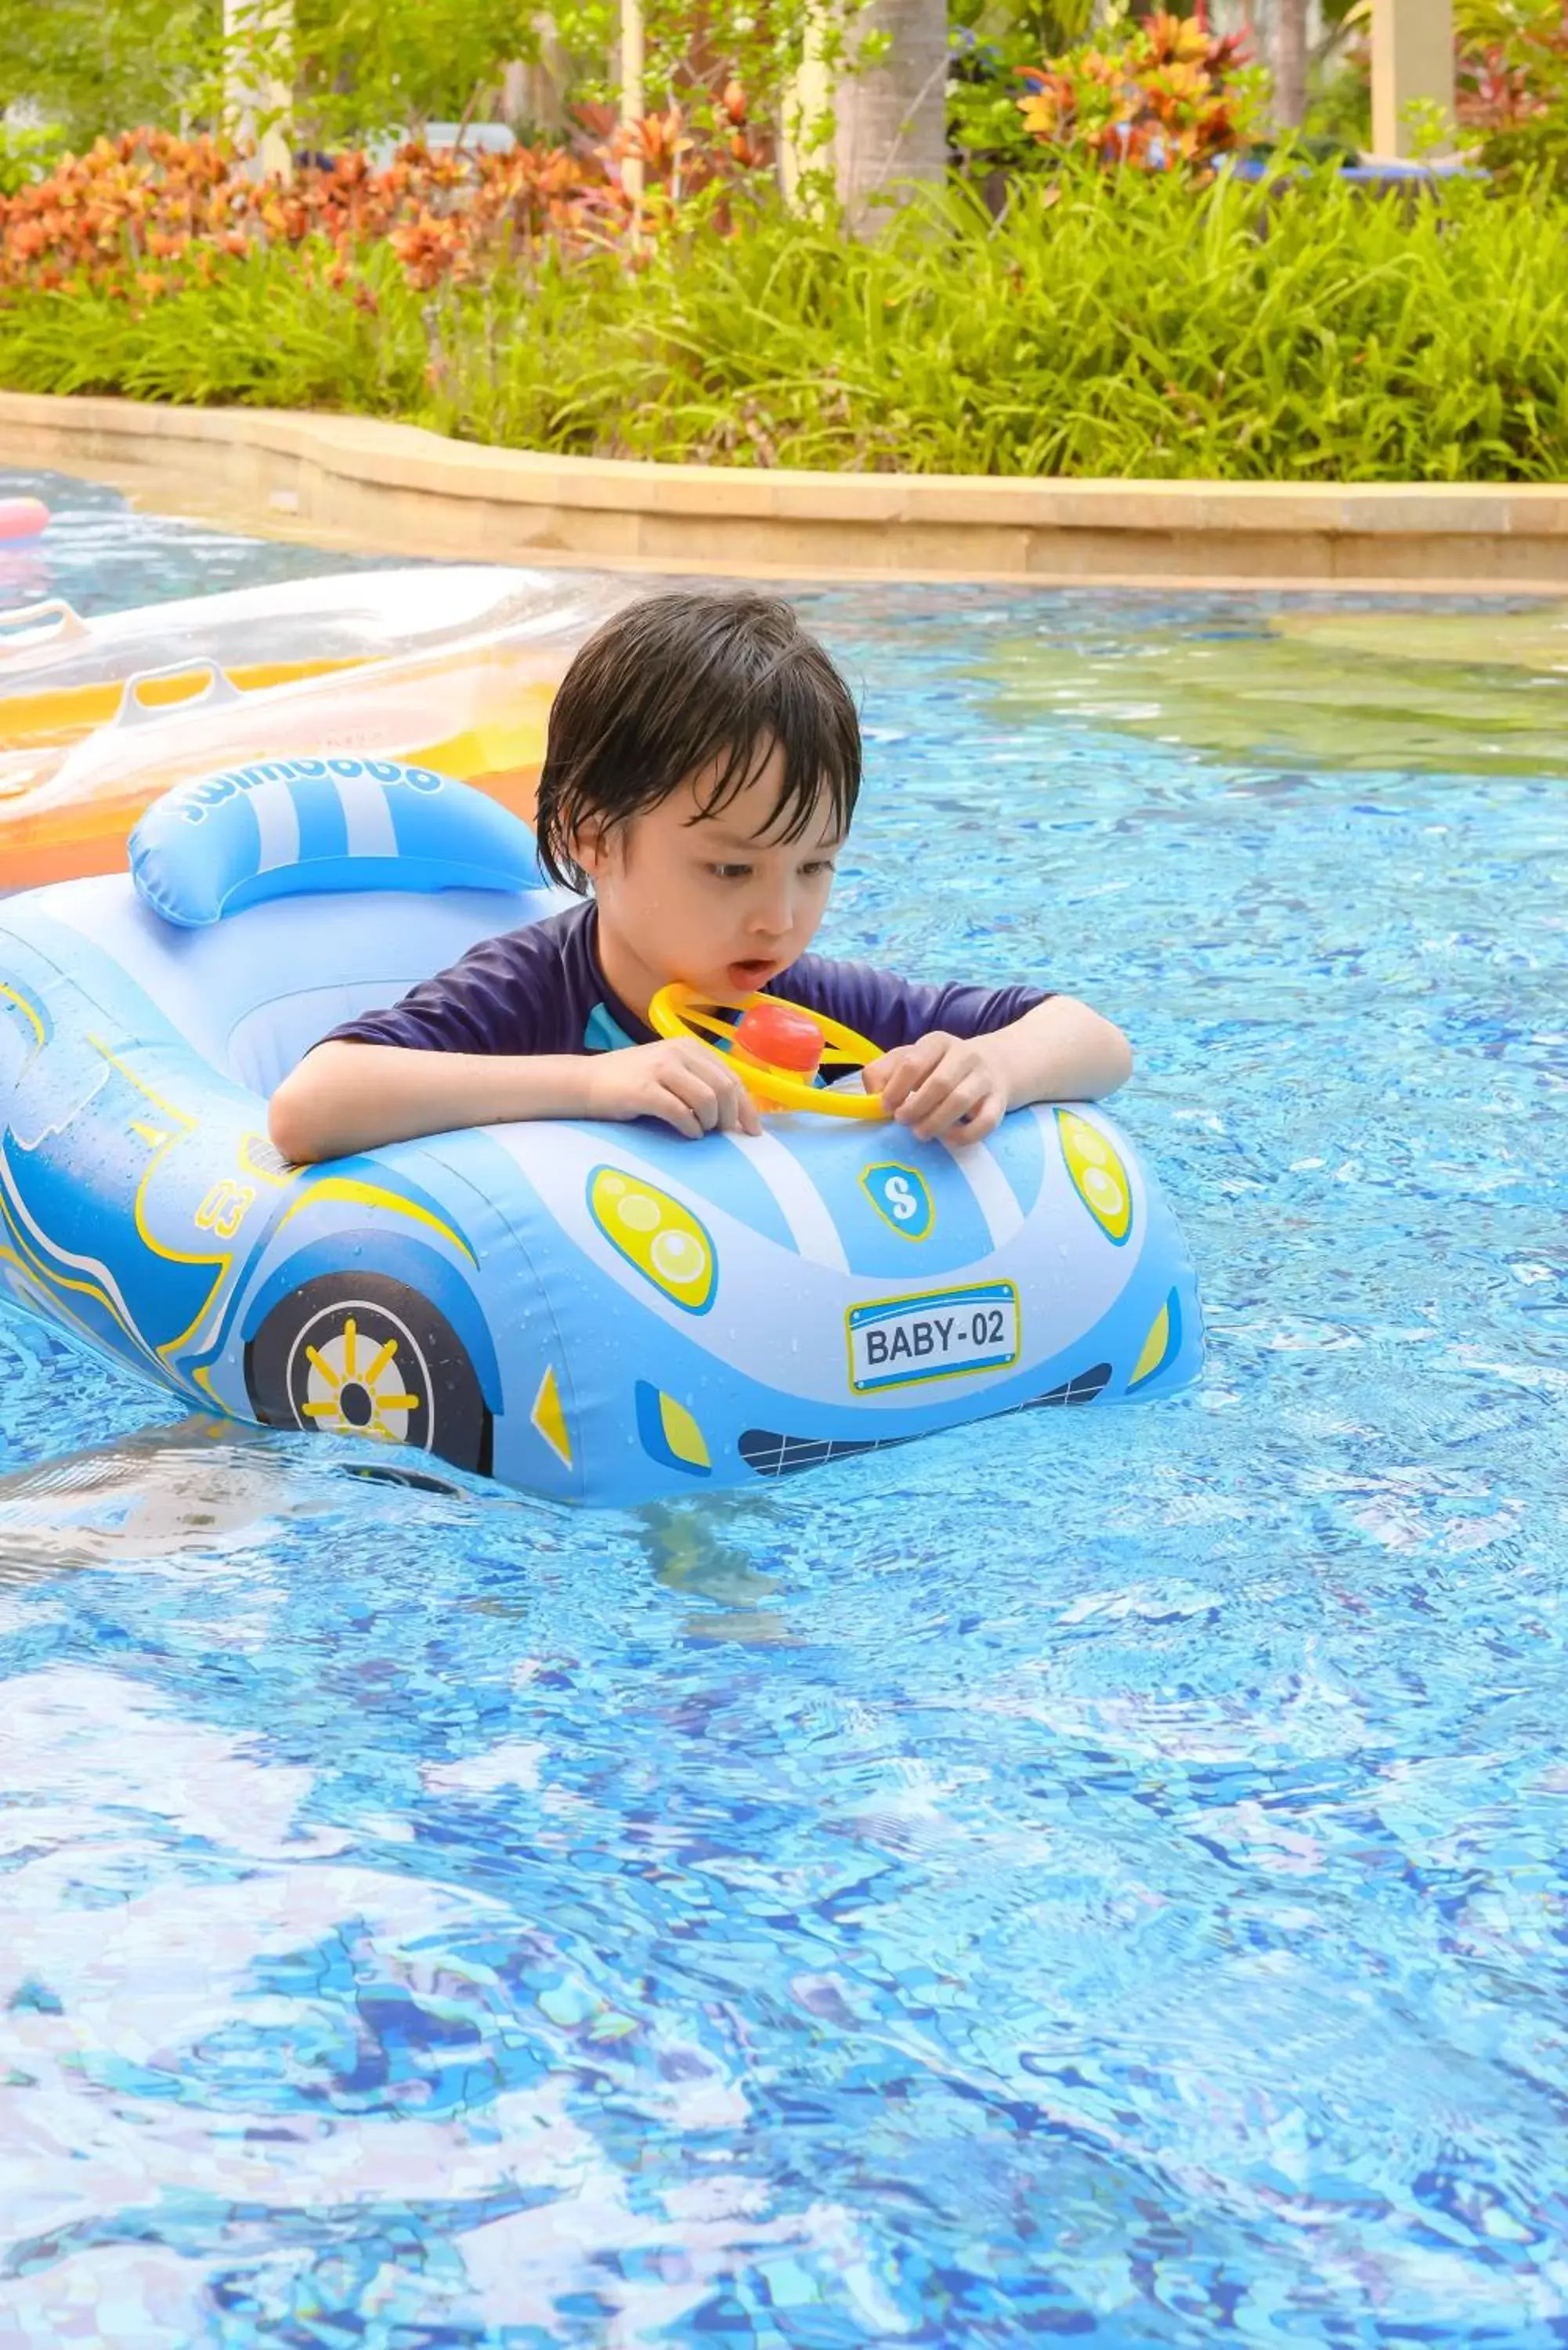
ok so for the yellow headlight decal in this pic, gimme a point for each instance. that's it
(654, 1232)
(1098, 1175)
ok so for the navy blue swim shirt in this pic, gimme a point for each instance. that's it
(540, 990)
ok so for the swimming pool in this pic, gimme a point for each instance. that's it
(1081, 1876)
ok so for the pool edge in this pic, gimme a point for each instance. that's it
(368, 485)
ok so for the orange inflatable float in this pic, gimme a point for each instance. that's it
(448, 668)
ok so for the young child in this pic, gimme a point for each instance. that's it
(701, 771)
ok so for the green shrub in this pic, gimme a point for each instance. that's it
(1164, 93)
(92, 64)
(1512, 93)
(27, 151)
(268, 331)
(1118, 325)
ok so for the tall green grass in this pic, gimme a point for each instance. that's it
(1130, 327)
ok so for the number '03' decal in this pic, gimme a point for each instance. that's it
(222, 1212)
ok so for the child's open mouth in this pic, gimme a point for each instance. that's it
(749, 976)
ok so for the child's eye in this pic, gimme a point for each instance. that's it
(728, 872)
(816, 864)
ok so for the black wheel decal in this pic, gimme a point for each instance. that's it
(361, 1353)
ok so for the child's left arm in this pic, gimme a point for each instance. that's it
(964, 1087)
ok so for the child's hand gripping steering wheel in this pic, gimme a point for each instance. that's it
(774, 1048)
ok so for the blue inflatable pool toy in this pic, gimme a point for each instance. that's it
(600, 1312)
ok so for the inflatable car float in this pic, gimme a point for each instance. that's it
(600, 1312)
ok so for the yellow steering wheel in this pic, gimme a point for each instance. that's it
(679, 1011)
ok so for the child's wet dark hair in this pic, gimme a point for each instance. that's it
(684, 682)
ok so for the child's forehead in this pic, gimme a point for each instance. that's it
(759, 816)
(721, 828)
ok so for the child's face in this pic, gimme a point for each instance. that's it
(709, 899)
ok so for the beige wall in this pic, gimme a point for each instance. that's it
(1412, 66)
(352, 483)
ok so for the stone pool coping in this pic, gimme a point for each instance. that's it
(361, 483)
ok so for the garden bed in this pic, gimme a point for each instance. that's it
(1109, 325)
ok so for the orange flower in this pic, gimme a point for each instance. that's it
(113, 218)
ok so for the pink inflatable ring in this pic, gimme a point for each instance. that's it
(23, 517)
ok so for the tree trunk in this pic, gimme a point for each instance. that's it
(533, 88)
(258, 97)
(891, 117)
(1289, 63)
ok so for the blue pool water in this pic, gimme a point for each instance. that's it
(1098, 1875)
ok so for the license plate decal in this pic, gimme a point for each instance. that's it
(897, 1342)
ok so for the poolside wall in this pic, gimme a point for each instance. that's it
(356, 482)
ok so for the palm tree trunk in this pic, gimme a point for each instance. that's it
(258, 98)
(1290, 62)
(891, 117)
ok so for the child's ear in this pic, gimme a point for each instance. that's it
(590, 848)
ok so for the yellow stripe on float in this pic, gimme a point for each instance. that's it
(201, 1378)
(25, 1009)
(370, 1195)
(1154, 1347)
(549, 1419)
(682, 1434)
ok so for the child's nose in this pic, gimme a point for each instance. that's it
(772, 913)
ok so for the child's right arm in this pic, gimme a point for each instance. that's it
(345, 1096)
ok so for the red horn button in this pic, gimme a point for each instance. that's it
(778, 1037)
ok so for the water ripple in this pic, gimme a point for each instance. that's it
(1101, 1876)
